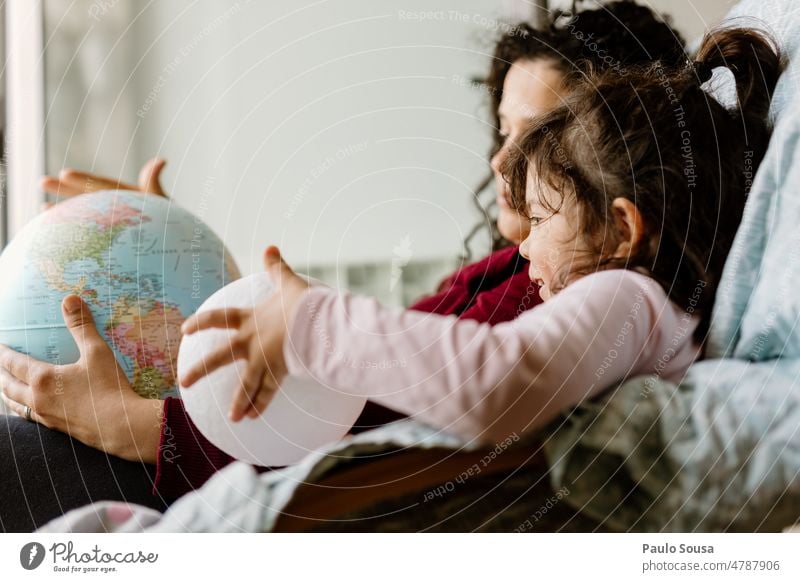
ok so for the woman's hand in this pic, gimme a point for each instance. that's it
(71, 183)
(91, 400)
(259, 338)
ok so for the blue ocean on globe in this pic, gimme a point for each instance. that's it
(141, 262)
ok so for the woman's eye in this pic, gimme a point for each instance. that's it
(535, 220)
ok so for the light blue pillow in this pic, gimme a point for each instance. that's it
(758, 302)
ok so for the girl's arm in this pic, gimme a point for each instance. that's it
(489, 382)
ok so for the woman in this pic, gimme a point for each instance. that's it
(157, 448)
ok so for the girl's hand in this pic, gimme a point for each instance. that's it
(259, 337)
(71, 183)
(90, 400)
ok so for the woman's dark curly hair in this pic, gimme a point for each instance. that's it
(656, 138)
(616, 35)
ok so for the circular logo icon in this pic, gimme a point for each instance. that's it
(31, 555)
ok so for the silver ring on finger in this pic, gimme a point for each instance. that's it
(28, 412)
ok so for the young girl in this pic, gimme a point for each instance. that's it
(634, 189)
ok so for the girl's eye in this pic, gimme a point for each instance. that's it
(536, 220)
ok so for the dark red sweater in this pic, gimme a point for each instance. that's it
(493, 290)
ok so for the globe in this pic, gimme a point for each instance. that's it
(303, 415)
(141, 262)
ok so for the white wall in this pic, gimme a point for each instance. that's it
(335, 129)
(692, 17)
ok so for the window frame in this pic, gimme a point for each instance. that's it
(23, 127)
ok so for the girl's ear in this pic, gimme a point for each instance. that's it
(629, 224)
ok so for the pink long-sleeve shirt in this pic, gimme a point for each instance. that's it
(488, 382)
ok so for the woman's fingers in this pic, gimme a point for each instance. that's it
(53, 185)
(92, 182)
(216, 318)
(14, 389)
(19, 365)
(17, 396)
(80, 324)
(61, 188)
(222, 356)
(73, 183)
(150, 176)
(20, 409)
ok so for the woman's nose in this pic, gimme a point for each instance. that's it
(523, 249)
(497, 159)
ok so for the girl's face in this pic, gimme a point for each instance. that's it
(552, 239)
(531, 87)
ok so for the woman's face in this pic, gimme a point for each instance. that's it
(531, 87)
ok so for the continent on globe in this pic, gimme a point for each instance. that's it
(141, 262)
(149, 334)
(77, 233)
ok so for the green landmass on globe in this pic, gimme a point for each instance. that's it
(141, 262)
